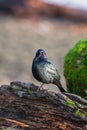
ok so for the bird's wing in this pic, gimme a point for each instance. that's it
(51, 69)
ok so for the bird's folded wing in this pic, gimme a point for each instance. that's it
(51, 69)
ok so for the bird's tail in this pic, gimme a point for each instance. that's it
(59, 85)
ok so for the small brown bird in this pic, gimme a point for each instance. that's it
(45, 71)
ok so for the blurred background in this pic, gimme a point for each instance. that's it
(27, 25)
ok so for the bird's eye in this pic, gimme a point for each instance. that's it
(41, 52)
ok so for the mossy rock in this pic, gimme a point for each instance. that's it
(75, 69)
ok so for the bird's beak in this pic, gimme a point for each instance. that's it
(42, 55)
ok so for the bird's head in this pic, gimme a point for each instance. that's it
(40, 54)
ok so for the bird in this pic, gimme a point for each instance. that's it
(45, 71)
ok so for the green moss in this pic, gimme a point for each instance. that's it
(78, 112)
(70, 103)
(75, 69)
(3, 129)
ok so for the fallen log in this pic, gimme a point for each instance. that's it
(25, 105)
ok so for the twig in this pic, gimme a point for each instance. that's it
(16, 122)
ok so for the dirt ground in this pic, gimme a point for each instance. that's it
(20, 38)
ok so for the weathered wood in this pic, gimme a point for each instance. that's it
(24, 104)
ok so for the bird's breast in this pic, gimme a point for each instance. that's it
(43, 71)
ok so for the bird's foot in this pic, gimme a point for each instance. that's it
(40, 88)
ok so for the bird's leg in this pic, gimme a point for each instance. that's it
(41, 87)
